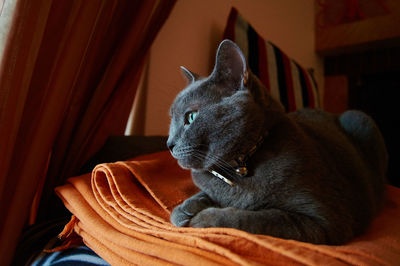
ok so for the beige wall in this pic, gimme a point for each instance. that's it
(192, 33)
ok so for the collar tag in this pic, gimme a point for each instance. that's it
(242, 171)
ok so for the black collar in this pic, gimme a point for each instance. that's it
(239, 163)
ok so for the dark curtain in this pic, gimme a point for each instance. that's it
(67, 81)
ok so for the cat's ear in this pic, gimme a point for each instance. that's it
(189, 75)
(230, 66)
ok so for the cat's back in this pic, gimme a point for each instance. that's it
(315, 120)
(350, 136)
(323, 130)
(351, 145)
(351, 131)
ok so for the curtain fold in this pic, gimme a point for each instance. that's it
(67, 81)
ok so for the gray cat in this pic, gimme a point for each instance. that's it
(308, 175)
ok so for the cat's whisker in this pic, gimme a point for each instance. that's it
(196, 152)
(221, 164)
(184, 151)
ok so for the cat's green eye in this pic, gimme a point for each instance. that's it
(190, 116)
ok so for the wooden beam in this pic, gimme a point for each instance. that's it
(376, 32)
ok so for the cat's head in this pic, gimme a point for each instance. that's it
(216, 118)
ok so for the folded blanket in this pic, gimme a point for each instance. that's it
(122, 212)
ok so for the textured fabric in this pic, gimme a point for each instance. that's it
(123, 210)
(285, 79)
(42, 236)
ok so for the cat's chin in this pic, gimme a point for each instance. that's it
(190, 165)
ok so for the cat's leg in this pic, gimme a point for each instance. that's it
(273, 222)
(182, 213)
(364, 131)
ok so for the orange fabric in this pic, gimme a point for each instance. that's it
(123, 210)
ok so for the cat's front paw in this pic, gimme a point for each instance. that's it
(182, 214)
(205, 218)
(179, 217)
(212, 217)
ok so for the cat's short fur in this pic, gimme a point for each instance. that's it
(317, 177)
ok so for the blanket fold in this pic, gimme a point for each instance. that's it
(122, 212)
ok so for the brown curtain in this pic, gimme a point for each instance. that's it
(67, 81)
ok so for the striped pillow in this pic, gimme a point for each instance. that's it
(285, 79)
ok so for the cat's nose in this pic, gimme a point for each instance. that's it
(170, 145)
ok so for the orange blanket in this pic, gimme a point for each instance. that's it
(123, 209)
